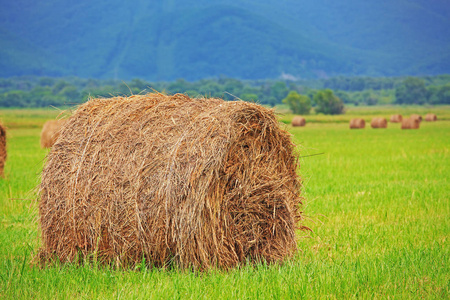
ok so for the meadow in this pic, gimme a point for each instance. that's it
(377, 201)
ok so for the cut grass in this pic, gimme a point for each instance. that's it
(377, 200)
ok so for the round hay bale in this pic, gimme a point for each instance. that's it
(378, 123)
(298, 121)
(396, 118)
(430, 118)
(50, 132)
(172, 180)
(416, 117)
(411, 123)
(3, 153)
(357, 123)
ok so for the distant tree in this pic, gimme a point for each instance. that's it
(14, 98)
(440, 94)
(279, 90)
(138, 84)
(70, 93)
(299, 104)
(328, 103)
(411, 91)
(179, 86)
(369, 97)
(344, 96)
(249, 97)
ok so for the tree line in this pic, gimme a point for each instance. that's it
(47, 91)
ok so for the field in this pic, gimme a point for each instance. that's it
(376, 200)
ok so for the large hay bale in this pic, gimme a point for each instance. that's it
(416, 117)
(378, 123)
(298, 121)
(357, 123)
(3, 153)
(430, 117)
(191, 182)
(410, 123)
(396, 118)
(50, 132)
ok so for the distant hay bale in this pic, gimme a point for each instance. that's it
(410, 123)
(173, 180)
(378, 123)
(50, 132)
(298, 121)
(357, 123)
(416, 117)
(3, 153)
(430, 118)
(396, 118)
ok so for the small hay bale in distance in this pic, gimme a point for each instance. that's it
(3, 153)
(357, 123)
(430, 117)
(378, 123)
(298, 121)
(396, 118)
(411, 123)
(195, 183)
(50, 132)
(416, 117)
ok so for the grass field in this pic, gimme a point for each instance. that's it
(377, 201)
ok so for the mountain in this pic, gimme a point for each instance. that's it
(166, 40)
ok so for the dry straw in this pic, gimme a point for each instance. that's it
(3, 154)
(396, 118)
(416, 117)
(378, 123)
(298, 121)
(173, 180)
(430, 117)
(50, 132)
(357, 123)
(410, 123)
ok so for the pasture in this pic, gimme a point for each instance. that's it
(377, 201)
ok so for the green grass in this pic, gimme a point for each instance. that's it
(377, 201)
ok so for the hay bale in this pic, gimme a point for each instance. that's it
(396, 118)
(357, 123)
(191, 182)
(410, 123)
(3, 153)
(378, 123)
(298, 121)
(50, 132)
(416, 117)
(430, 117)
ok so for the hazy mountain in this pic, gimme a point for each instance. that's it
(248, 39)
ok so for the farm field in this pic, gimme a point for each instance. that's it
(377, 201)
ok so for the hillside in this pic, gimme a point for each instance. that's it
(196, 39)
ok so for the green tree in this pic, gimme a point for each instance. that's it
(411, 91)
(249, 97)
(328, 103)
(279, 90)
(440, 94)
(299, 104)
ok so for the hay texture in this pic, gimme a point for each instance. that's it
(298, 121)
(3, 154)
(178, 181)
(410, 123)
(50, 132)
(357, 123)
(378, 123)
(430, 118)
(416, 117)
(396, 118)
